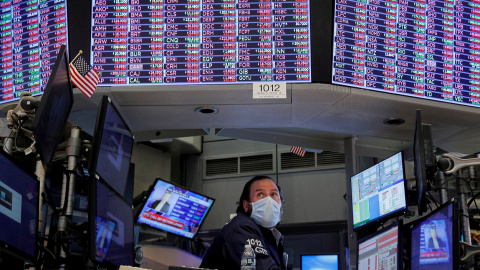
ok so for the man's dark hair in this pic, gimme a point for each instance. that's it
(245, 196)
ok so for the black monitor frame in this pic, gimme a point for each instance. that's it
(10, 248)
(120, 182)
(149, 194)
(395, 213)
(93, 204)
(47, 136)
(455, 252)
(399, 225)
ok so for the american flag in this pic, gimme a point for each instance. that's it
(298, 151)
(84, 76)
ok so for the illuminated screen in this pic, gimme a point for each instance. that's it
(379, 191)
(18, 209)
(174, 209)
(381, 250)
(200, 41)
(31, 33)
(433, 241)
(323, 261)
(417, 48)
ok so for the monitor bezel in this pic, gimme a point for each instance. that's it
(10, 249)
(92, 215)
(61, 56)
(97, 139)
(149, 193)
(390, 215)
(455, 229)
(320, 254)
(399, 225)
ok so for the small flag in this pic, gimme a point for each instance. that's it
(84, 76)
(298, 151)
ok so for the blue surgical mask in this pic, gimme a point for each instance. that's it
(266, 212)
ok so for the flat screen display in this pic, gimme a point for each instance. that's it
(174, 209)
(113, 239)
(31, 33)
(420, 48)
(435, 240)
(54, 109)
(195, 42)
(18, 209)
(379, 191)
(381, 250)
(319, 261)
(113, 146)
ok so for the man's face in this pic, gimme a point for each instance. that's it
(261, 189)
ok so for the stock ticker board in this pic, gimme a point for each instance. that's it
(424, 48)
(31, 33)
(200, 41)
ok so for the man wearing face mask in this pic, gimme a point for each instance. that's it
(258, 212)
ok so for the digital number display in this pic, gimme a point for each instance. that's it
(200, 41)
(31, 33)
(421, 48)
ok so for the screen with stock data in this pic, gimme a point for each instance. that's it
(31, 33)
(200, 41)
(379, 191)
(422, 48)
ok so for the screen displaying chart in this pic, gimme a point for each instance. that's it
(200, 41)
(31, 33)
(421, 48)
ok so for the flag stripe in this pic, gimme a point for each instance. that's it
(298, 151)
(84, 76)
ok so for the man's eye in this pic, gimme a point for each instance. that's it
(260, 195)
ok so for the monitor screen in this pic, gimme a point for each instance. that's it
(111, 239)
(435, 239)
(174, 209)
(54, 109)
(379, 191)
(382, 249)
(201, 42)
(319, 261)
(31, 34)
(112, 146)
(18, 209)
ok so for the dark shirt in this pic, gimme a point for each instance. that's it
(227, 248)
(431, 245)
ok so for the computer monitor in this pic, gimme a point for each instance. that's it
(378, 193)
(319, 261)
(111, 227)
(54, 109)
(435, 239)
(112, 146)
(382, 249)
(424, 160)
(19, 193)
(174, 209)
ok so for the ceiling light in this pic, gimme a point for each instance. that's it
(392, 121)
(206, 110)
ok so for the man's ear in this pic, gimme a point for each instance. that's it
(245, 206)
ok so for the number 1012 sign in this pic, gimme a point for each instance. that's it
(270, 90)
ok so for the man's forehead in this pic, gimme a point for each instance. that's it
(264, 184)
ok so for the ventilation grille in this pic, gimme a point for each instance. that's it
(221, 166)
(292, 161)
(265, 163)
(327, 158)
(256, 163)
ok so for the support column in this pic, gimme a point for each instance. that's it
(350, 170)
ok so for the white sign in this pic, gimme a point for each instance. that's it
(270, 90)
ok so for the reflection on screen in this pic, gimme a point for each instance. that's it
(115, 150)
(432, 242)
(18, 208)
(378, 191)
(174, 209)
(323, 261)
(379, 251)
